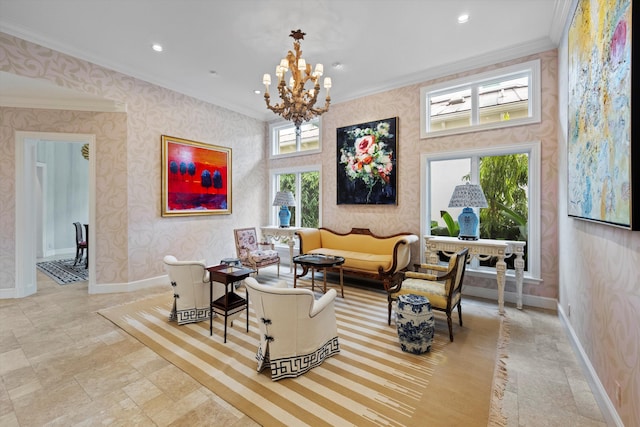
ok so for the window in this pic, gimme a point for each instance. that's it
(505, 97)
(304, 183)
(510, 179)
(284, 142)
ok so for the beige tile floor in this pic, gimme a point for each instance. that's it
(63, 364)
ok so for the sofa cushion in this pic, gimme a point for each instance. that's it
(358, 260)
(359, 242)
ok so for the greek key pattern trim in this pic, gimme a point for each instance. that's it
(298, 365)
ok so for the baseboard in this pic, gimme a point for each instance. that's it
(609, 412)
(7, 293)
(110, 288)
(511, 297)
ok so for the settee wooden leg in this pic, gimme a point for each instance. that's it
(460, 313)
(450, 323)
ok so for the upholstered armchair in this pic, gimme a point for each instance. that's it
(443, 289)
(191, 299)
(252, 253)
(297, 332)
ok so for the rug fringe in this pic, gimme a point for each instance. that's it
(500, 377)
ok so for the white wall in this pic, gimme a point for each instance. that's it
(67, 192)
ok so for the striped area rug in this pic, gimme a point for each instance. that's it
(370, 382)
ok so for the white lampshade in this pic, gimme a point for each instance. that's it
(468, 195)
(284, 198)
(302, 64)
(266, 79)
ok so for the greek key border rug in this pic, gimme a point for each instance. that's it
(370, 382)
(63, 271)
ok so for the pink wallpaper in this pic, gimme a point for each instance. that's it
(131, 237)
(404, 103)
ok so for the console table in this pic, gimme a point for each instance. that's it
(483, 249)
(284, 234)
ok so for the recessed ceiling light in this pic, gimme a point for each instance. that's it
(463, 18)
(257, 92)
(337, 66)
(157, 47)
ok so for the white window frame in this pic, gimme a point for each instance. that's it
(273, 212)
(530, 68)
(533, 151)
(275, 127)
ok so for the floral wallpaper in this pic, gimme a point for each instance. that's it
(592, 268)
(131, 237)
(599, 282)
(404, 103)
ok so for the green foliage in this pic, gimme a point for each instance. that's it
(504, 181)
(309, 194)
(452, 226)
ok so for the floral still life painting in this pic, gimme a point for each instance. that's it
(367, 167)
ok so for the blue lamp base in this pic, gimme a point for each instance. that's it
(468, 222)
(285, 216)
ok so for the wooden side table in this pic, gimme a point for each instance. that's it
(230, 303)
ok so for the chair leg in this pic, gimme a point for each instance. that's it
(450, 323)
(77, 256)
(389, 317)
(460, 313)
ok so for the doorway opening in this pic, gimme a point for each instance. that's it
(29, 222)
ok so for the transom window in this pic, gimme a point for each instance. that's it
(500, 98)
(284, 142)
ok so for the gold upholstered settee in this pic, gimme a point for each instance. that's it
(364, 253)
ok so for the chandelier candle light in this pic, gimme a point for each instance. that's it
(468, 196)
(297, 102)
(284, 199)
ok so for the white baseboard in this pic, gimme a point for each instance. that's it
(110, 288)
(8, 293)
(609, 412)
(511, 297)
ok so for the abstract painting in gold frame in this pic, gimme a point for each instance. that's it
(196, 178)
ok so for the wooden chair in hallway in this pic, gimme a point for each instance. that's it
(81, 244)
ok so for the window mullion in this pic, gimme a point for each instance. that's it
(475, 106)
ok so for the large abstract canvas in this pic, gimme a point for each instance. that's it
(196, 178)
(600, 143)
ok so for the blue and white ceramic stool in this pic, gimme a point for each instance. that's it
(415, 323)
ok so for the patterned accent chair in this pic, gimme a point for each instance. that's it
(251, 252)
(190, 281)
(297, 332)
(444, 291)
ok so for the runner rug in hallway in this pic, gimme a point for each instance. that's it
(63, 271)
(370, 382)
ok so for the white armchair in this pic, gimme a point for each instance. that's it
(297, 332)
(191, 299)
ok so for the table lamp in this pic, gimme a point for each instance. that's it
(468, 196)
(284, 199)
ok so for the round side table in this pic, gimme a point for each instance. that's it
(415, 323)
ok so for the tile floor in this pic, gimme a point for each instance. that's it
(63, 364)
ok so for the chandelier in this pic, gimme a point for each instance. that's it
(298, 103)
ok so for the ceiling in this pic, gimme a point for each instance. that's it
(217, 51)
